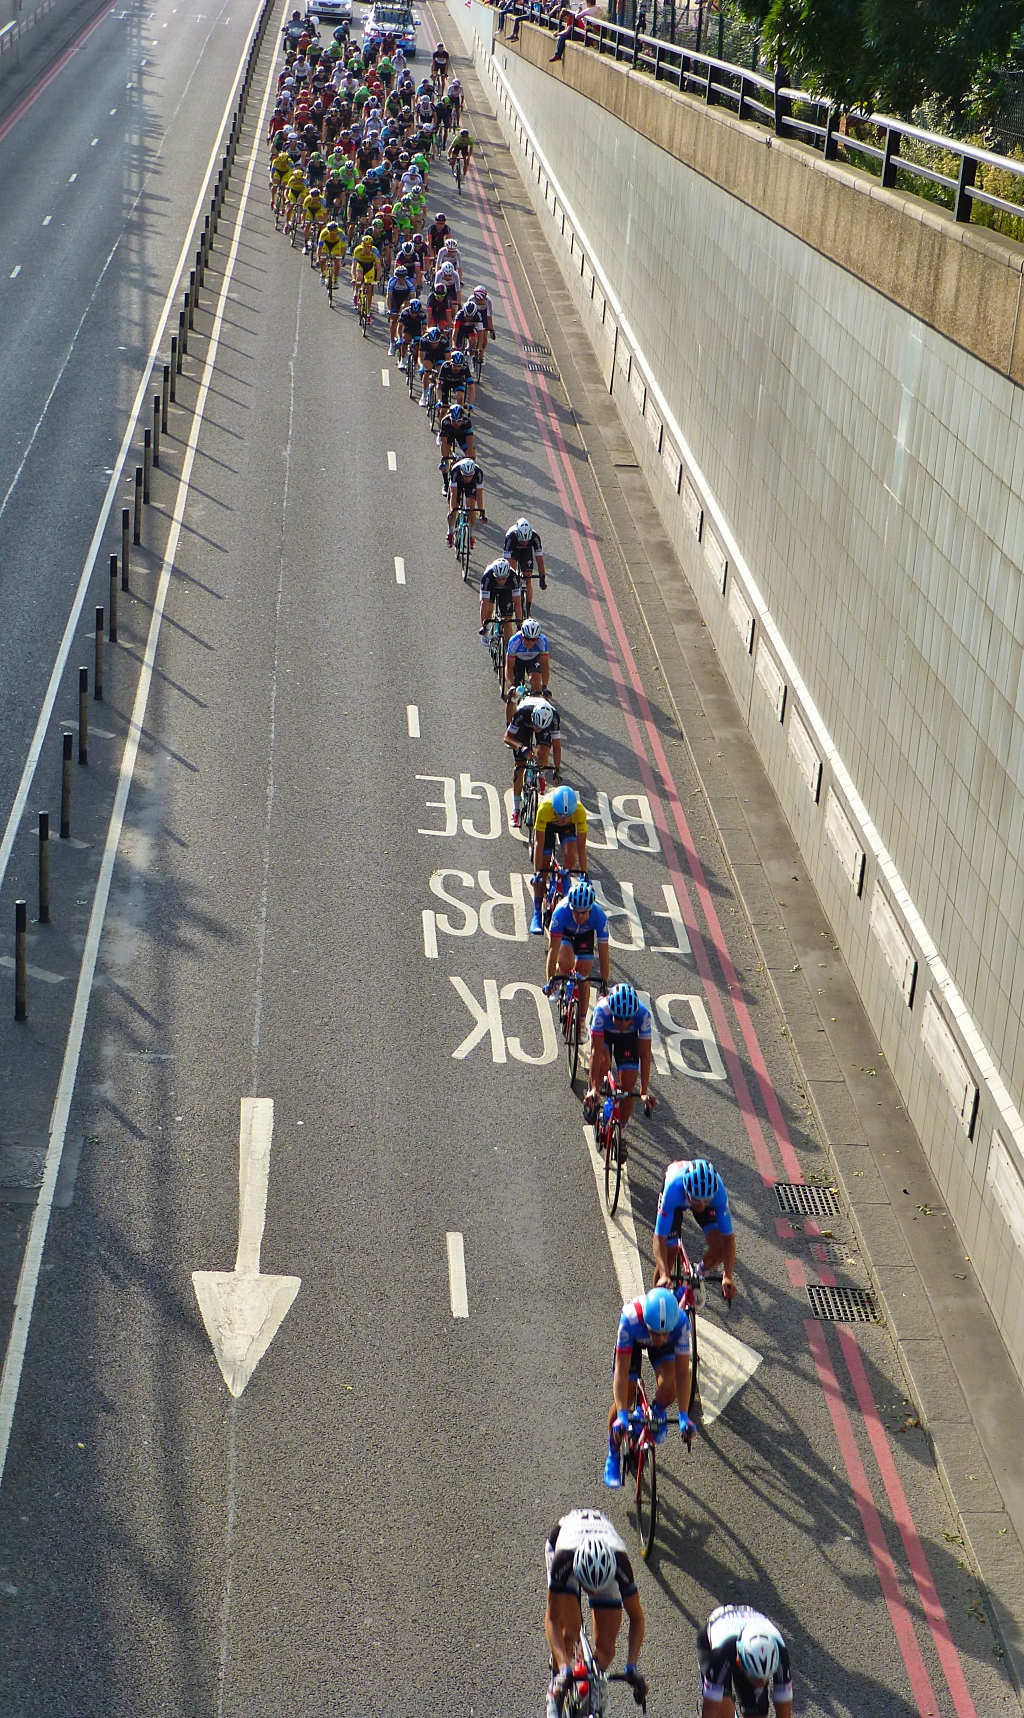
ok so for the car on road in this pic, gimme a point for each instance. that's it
(329, 11)
(386, 19)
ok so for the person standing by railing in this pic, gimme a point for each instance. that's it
(570, 20)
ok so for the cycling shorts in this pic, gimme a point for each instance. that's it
(554, 832)
(636, 1358)
(582, 945)
(523, 667)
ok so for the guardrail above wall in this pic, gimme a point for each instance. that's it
(807, 118)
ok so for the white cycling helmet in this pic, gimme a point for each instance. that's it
(480, 294)
(594, 1564)
(530, 629)
(524, 530)
(758, 1649)
(543, 716)
(447, 271)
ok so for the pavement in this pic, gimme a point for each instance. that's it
(272, 848)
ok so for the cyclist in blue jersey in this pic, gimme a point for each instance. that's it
(576, 923)
(655, 1323)
(527, 663)
(695, 1185)
(620, 1029)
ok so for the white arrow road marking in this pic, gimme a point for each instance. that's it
(725, 1363)
(457, 1275)
(242, 1309)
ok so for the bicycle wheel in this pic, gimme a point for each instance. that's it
(572, 1035)
(646, 1497)
(478, 362)
(330, 288)
(528, 809)
(612, 1167)
(457, 170)
(465, 546)
(495, 644)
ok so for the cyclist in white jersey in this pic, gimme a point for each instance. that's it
(585, 1554)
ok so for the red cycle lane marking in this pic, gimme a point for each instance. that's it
(753, 1126)
(920, 1682)
(919, 1568)
(48, 76)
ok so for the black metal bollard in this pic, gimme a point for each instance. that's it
(44, 867)
(83, 715)
(112, 612)
(187, 322)
(21, 960)
(175, 366)
(137, 521)
(65, 789)
(182, 338)
(156, 431)
(97, 677)
(165, 395)
(147, 463)
(191, 296)
(126, 531)
(200, 268)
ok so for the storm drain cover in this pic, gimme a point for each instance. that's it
(532, 346)
(842, 1305)
(542, 369)
(804, 1201)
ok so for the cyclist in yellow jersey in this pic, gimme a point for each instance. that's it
(297, 189)
(314, 213)
(365, 267)
(280, 171)
(330, 250)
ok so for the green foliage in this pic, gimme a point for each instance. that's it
(890, 55)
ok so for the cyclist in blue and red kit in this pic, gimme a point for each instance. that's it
(576, 923)
(655, 1323)
(695, 1185)
(620, 1029)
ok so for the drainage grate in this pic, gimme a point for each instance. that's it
(833, 1253)
(543, 369)
(842, 1305)
(532, 346)
(805, 1201)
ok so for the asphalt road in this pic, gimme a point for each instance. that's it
(362, 1530)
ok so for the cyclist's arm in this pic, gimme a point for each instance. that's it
(581, 834)
(600, 1060)
(662, 1258)
(554, 944)
(728, 1259)
(620, 1386)
(635, 1613)
(645, 1066)
(604, 959)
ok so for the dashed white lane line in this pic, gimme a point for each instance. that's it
(385, 378)
(94, 143)
(413, 718)
(74, 176)
(47, 220)
(399, 570)
(392, 462)
(112, 112)
(16, 270)
(457, 1275)
(726, 1364)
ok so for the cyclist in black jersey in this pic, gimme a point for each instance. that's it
(742, 1656)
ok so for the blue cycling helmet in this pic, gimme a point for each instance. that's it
(661, 1311)
(624, 1002)
(564, 802)
(700, 1179)
(581, 896)
(457, 412)
(414, 304)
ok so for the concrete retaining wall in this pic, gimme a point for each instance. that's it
(842, 480)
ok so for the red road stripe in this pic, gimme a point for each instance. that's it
(48, 76)
(919, 1568)
(552, 439)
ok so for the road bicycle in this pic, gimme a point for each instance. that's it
(463, 539)
(557, 885)
(459, 170)
(478, 358)
(608, 1133)
(638, 1454)
(410, 356)
(688, 1283)
(365, 302)
(494, 637)
(533, 786)
(329, 275)
(581, 1695)
(433, 406)
(570, 1018)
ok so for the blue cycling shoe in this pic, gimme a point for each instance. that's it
(613, 1471)
(536, 926)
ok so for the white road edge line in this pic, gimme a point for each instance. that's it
(60, 662)
(412, 714)
(28, 1280)
(457, 1275)
(725, 1363)
(399, 570)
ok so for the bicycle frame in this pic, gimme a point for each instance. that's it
(579, 1696)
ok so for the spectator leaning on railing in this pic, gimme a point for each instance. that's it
(569, 21)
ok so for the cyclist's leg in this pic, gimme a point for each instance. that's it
(563, 1621)
(607, 1620)
(584, 962)
(628, 1075)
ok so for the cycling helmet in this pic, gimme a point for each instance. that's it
(661, 1309)
(480, 293)
(524, 530)
(414, 304)
(759, 1644)
(400, 268)
(457, 413)
(530, 629)
(564, 803)
(439, 217)
(500, 569)
(624, 1002)
(447, 271)
(467, 466)
(581, 896)
(594, 1563)
(543, 716)
(700, 1179)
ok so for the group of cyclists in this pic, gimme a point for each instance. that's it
(352, 141)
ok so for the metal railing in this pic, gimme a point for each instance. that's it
(803, 117)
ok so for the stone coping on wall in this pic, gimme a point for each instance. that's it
(964, 281)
